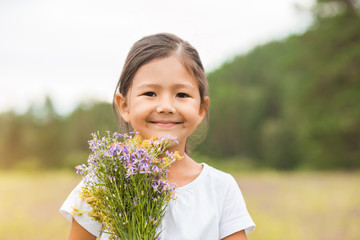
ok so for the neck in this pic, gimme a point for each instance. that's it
(184, 171)
(180, 148)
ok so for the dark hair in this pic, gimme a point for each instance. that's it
(160, 46)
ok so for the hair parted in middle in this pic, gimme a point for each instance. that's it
(157, 46)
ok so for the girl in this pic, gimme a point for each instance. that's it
(163, 91)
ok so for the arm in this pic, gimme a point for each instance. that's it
(236, 236)
(77, 232)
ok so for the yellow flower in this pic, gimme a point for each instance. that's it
(76, 211)
(178, 156)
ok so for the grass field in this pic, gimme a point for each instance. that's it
(283, 205)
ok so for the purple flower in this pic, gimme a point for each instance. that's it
(153, 220)
(117, 135)
(155, 186)
(169, 154)
(81, 169)
(115, 168)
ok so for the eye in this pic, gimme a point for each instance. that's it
(150, 94)
(182, 95)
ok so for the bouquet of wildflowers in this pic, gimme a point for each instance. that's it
(125, 184)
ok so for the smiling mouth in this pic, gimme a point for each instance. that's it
(164, 123)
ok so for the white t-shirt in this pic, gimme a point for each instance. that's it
(210, 207)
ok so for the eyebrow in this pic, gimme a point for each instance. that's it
(148, 85)
(157, 86)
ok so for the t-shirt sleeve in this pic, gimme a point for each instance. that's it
(235, 216)
(75, 202)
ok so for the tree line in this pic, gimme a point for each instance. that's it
(288, 104)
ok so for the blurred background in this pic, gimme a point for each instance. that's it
(284, 82)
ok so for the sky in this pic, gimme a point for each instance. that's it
(74, 50)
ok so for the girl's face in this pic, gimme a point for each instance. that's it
(163, 100)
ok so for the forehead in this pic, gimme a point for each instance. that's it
(164, 71)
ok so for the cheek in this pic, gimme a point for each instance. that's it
(139, 109)
(191, 113)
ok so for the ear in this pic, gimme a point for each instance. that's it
(123, 107)
(204, 107)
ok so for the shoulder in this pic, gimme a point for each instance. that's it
(221, 181)
(234, 216)
(218, 176)
(76, 208)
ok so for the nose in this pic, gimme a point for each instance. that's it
(165, 105)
